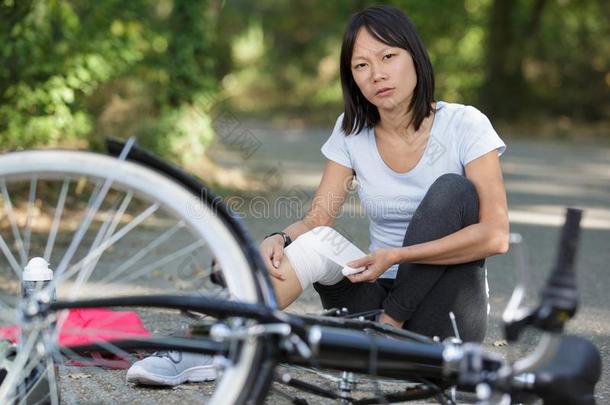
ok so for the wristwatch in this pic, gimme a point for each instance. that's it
(287, 239)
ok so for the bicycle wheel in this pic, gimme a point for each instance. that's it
(112, 228)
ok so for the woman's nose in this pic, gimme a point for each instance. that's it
(378, 74)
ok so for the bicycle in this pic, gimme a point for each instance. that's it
(151, 207)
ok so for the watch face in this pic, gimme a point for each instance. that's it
(287, 239)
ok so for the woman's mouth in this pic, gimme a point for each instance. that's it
(384, 92)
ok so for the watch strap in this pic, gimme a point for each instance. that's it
(287, 239)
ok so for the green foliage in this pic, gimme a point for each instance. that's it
(72, 72)
(548, 58)
(536, 59)
(50, 65)
(569, 59)
(300, 55)
(76, 71)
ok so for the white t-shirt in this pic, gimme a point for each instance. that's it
(459, 134)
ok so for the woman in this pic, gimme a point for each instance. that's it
(429, 179)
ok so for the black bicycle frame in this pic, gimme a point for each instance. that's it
(338, 348)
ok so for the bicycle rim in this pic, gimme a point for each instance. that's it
(112, 228)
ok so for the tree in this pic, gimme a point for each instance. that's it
(547, 59)
(71, 71)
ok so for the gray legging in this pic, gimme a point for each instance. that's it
(424, 294)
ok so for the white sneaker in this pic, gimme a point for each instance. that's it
(172, 368)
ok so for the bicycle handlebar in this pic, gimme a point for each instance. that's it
(559, 297)
(569, 240)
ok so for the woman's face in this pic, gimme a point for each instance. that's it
(385, 74)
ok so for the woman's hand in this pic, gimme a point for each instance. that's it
(272, 250)
(374, 263)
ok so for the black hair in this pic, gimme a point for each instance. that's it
(392, 27)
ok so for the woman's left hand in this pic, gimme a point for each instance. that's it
(375, 264)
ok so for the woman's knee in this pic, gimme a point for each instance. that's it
(450, 187)
(452, 197)
(309, 265)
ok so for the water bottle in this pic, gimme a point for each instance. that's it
(36, 277)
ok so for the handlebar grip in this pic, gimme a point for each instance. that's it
(568, 244)
(560, 296)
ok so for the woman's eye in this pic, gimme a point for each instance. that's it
(360, 66)
(390, 55)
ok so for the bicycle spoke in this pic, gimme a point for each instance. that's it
(167, 259)
(52, 378)
(110, 347)
(119, 214)
(85, 361)
(145, 251)
(100, 249)
(16, 371)
(8, 209)
(43, 363)
(90, 214)
(34, 362)
(95, 201)
(112, 229)
(28, 221)
(101, 232)
(59, 208)
(103, 235)
(68, 394)
(9, 256)
(69, 356)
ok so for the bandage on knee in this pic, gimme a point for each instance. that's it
(320, 255)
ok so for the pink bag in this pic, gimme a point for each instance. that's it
(85, 326)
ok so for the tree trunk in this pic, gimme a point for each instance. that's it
(504, 85)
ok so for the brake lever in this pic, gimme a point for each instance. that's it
(559, 298)
(517, 316)
(558, 302)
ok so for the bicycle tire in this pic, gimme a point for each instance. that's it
(241, 381)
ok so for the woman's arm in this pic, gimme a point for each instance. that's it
(325, 207)
(328, 199)
(486, 238)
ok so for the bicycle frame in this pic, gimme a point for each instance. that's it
(338, 347)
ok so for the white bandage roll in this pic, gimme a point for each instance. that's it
(320, 255)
